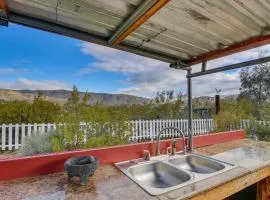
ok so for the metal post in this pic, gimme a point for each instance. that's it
(189, 90)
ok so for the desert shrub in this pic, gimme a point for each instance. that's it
(108, 135)
(37, 144)
(76, 136)
(231, 115)
(266, 112)
(258, 132)
(68, 137)
(85, 126)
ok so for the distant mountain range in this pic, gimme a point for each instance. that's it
(61, 96)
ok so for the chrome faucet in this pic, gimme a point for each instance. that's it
(174, 141)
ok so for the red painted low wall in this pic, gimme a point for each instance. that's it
(53, 162)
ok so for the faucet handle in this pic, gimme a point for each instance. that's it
(174, 142)
(169, 151)
(146, 154)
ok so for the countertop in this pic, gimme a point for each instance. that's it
(248, 155)
(109, 183)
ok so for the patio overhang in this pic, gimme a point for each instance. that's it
(181, 33)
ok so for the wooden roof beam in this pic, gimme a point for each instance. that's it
(4, 13)
(235, 48)
(4, 8)
(147, 9)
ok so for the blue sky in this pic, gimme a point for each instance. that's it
(34, 59)
(37, 55)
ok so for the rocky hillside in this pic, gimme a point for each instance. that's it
(61, 96)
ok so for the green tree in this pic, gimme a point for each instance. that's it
(15, 112)
(40, 111)
(89, 126)
(70, 134)
(255, 85)
(167, 104)
(44, 111)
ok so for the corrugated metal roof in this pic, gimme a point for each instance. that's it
(183, 29)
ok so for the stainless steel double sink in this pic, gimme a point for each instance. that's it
(162, 173)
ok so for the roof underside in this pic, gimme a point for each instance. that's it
(185, 30)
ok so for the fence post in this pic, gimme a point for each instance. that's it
(29, 129)
(140, 129)
(211, 125)
(48, 127)
(151, 130)
(16, 136)
(164, 126)
(23, 134)
(203, 126)
(35, 128)
(3, 137)
(132, 131)
(42, 128)
(10, 137)
(194, 126)
(136, 131)
(154, 129)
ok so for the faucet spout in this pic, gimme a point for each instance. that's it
(174, 143)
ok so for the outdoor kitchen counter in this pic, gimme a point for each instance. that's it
(109, 183)
(252, 159)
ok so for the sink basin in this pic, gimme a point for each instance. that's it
(197, 164)
(161, 174)
(158, 175)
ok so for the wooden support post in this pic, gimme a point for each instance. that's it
(217, 102)
(263, 189)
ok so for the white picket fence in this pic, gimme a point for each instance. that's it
(148, 129)
(245, 123)
(12, 135)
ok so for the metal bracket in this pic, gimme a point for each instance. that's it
(3, 20)
(203, 65)
(180, 65)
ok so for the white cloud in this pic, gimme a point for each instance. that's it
(228, 83)
(12, 70)
(147, 76)
(22, 83)
(112, 60)
(149, 84)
